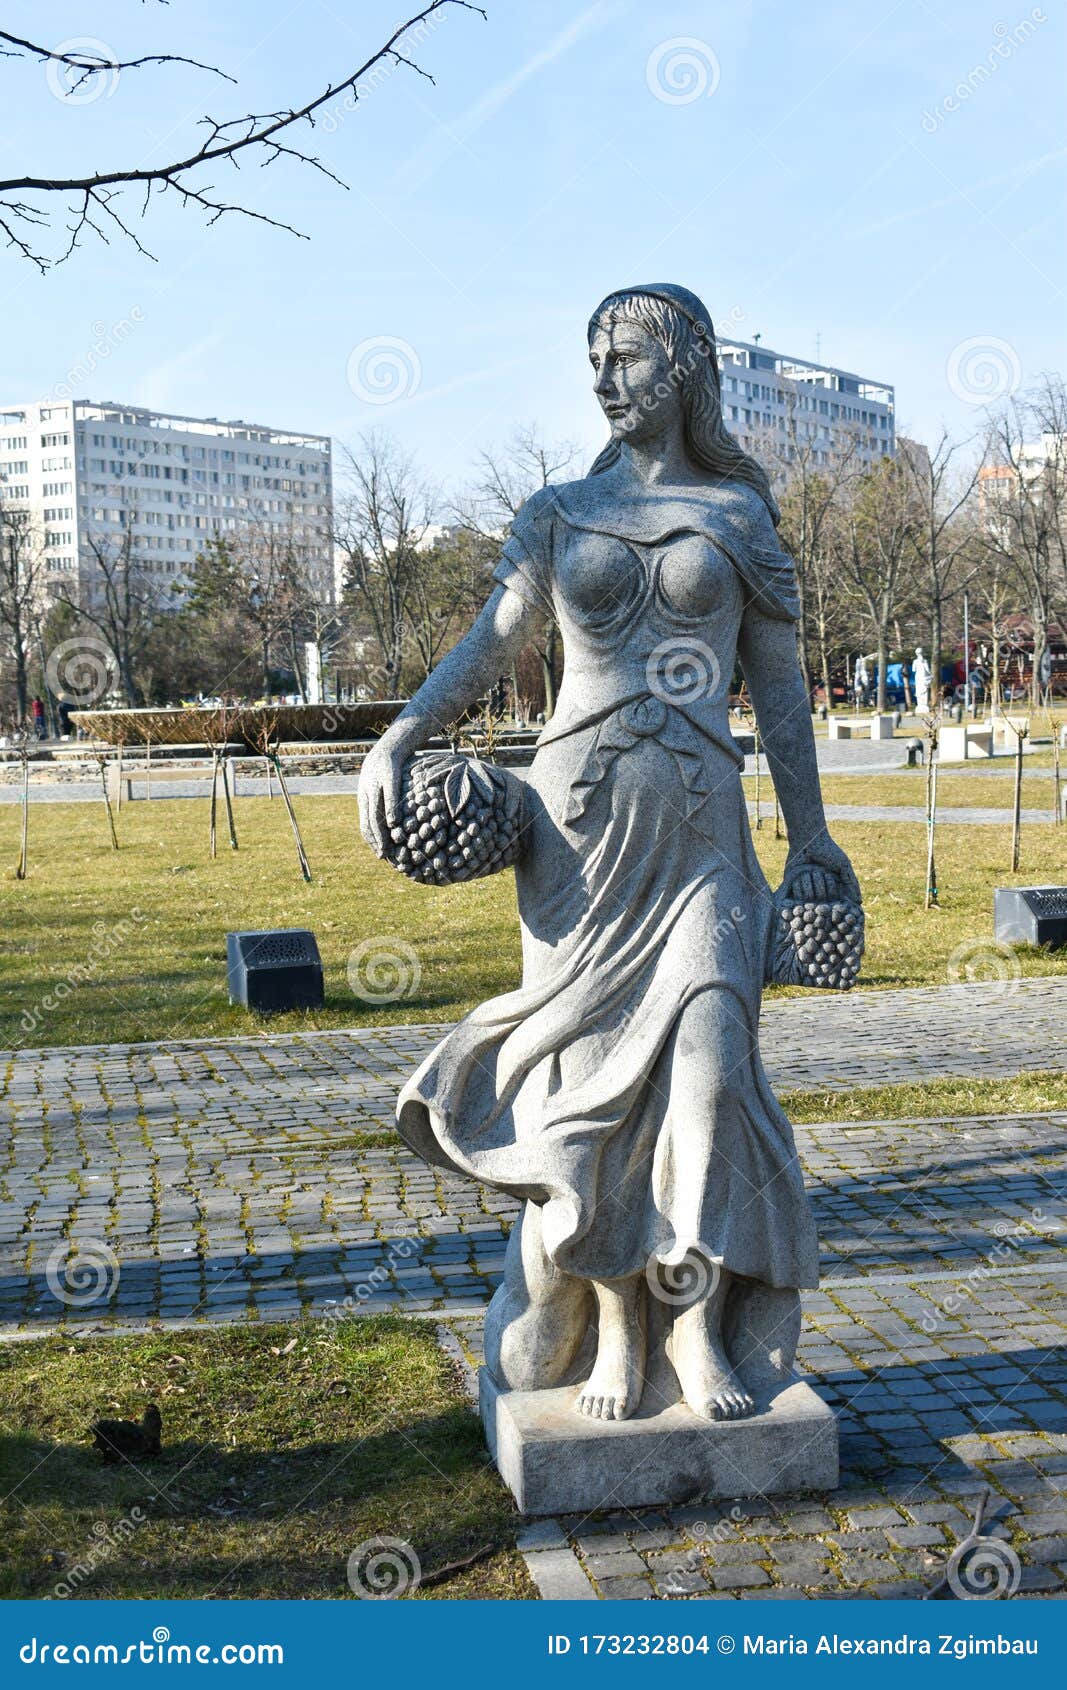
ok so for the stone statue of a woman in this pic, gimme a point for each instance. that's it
(619, 1090)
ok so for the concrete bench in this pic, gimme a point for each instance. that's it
(958, 742)
(878, 726)
(150, 778)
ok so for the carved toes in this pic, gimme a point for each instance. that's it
(730, 1403)
(603, 1407)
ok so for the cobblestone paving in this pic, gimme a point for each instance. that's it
(242, 1179)
(940, 1391)
(250, 1175)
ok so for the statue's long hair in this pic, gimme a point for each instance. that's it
(695, 371)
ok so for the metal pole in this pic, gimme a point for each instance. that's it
(967, 651)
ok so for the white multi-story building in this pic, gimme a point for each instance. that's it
(90, 472)
(776, 403)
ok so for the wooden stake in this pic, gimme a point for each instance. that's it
(226, 767)
(20, 872)
(107, 804)
(759, 818)
(931, 822)
(305, 867)
(1017, 806)
(214, 795)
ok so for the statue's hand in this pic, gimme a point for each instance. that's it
(379, 794)
(820, 873)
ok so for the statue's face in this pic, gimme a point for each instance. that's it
(634, 382)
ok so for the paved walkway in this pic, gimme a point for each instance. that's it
(947, 815)
(836, 757)
(258, 1179)
(250, 1175)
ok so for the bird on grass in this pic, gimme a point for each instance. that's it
(125, 1439)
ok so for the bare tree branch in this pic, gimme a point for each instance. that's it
(92, 196)
(96, 64)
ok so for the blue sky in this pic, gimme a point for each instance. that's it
(817, 184)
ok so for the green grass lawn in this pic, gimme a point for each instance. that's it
(103, 946)
(1019, 1094)
(284, 1448)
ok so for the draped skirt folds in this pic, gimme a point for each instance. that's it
(621, 1085)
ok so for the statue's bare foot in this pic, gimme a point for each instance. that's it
(709, 1385)
(613, 1391)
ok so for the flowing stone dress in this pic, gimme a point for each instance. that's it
(604, 1088)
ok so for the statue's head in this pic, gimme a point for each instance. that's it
(655, 366)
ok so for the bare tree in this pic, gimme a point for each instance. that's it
(21, 581)
(829, 617)
(93, 200)
(504, 482)
(447, 591)
(121, 598)
(811, 477)
(1025, 504)
(872, 548)
(939, 534)
(381, 527)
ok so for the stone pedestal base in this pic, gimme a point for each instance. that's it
(556, 1461)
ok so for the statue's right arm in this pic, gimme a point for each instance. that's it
(503, 627)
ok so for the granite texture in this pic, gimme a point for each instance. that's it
(555, 1461)
(619, 1094)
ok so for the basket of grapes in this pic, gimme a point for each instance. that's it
(460, 819)
(817, 944)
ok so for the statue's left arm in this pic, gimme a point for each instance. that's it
(816, 869)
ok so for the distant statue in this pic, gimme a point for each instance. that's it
(618, 1091)
(920, 674)
(861, 683)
